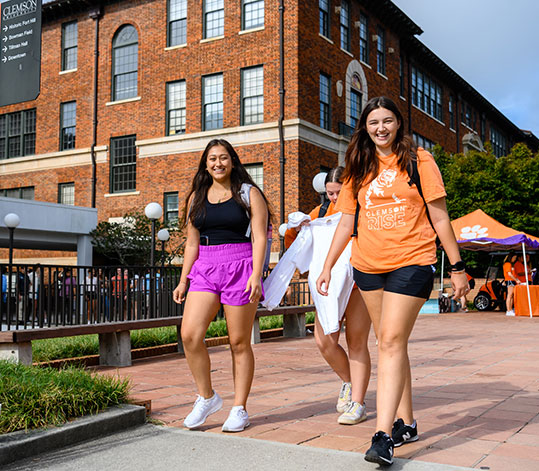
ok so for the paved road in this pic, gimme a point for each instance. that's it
(150, 447)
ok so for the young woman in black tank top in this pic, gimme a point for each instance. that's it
(223, 261)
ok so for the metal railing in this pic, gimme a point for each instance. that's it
(43, 296)
(54, 295)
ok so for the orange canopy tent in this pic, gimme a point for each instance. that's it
(478, 231)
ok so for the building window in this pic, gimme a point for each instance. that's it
(68, 121)
(177, 22)
(324, 101)
(125, 63)
(426, 94)
(24, 193)
(214, 18)
(466, 114)
(421, 141)
(69, 45)
(123, 164)
(355, 107)
(363, 38)
(212, 105)
(451, 112)
(345, 25)
(257, 173)
(498, 141)
(323, 14)
(66, 193)
(252, 14)
(252, 95)
(482, 125)
(175, 107)
(170, 203)
(18, 134)
(381, 50)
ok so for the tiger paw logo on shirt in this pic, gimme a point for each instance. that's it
(391, 212)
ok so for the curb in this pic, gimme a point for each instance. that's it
(19, 445)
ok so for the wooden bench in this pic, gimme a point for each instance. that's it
(114, 339)
(293, 320)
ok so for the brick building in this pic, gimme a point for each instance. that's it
(132, 91)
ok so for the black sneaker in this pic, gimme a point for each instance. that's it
(403, 433)
(381, 450)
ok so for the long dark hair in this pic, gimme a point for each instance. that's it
(361, 160)
(203, 181)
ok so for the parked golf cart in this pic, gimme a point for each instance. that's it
(493, 293)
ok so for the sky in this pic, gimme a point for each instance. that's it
(492, 44)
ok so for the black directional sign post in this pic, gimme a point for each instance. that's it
(20, 51)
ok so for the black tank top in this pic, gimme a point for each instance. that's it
(223, 223)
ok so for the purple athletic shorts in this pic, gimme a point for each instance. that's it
(224, 270)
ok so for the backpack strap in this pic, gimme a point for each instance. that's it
(356, 219)
(324, 208)
(413, 173)
(245, 193)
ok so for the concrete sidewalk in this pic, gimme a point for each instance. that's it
(475, 381)
(152, 448)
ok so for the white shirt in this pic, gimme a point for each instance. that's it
(308, 252)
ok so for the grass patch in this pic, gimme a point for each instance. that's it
(33, 397)
(83, 345)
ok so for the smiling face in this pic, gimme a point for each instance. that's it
(332, 190)
(382, 126)
(219, 164)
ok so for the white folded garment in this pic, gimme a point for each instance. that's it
(312, 239)
(297, 218)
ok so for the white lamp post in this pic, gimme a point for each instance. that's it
(11, 220)
(319, 185)
(163, 235)
(153, 212)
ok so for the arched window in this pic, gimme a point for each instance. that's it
(357, 92)
(125, 63)
(355, 100)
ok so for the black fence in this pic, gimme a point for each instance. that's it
(40, 296)
(54, 296)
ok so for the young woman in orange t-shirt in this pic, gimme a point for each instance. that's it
(392, 255)
(354, 367)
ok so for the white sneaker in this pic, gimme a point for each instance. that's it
(237, 421)
(345, 397)
(354, 414)
(201, 409)
(510, 313)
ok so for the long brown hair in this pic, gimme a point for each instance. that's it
(361, 160)
(203, 181)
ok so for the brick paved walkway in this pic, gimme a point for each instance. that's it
(475, 379)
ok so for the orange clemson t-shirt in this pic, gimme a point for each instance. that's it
(393, 229)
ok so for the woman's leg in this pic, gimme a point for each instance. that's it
(200, 309)
(358, 324)
(393, 318)
(332, 352)
(509, 300)
(239, 321)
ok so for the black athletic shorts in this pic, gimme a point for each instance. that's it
(415, 280)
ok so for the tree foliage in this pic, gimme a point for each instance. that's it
(129, 242)
(506, 188)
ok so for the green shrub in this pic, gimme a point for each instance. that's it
(33, 397)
